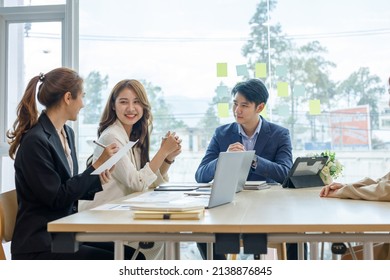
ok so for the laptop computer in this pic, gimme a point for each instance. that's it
(231, 168)
(245, 168)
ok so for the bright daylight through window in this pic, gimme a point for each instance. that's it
(325, 71)
(324, 62)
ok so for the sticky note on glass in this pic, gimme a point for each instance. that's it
(282, 88)
(222, 70)
(261, 70)
(223, 110)
(264, 112)
(284, 110)
(281, 71)
(222, 91)
(314, 107)
(299, 90)
(242, 70)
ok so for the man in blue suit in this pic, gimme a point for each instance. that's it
(272, 143)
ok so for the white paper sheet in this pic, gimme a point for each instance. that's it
(155, 197)
(165, 200)
(115, 158)
(112, 206)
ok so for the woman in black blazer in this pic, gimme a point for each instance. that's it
(46, 171)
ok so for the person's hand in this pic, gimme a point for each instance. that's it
(108, 152)
(175, 153)
(330, 190)
(170, 145)
(105, 176)
(236, 147)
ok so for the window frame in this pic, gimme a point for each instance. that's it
(68, 15)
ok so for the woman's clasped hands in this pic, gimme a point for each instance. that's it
(171, 145)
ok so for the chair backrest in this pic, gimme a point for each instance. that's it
(8, 210)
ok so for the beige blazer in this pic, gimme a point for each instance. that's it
(367, 189)
(128, 176)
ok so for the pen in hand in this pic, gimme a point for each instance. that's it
(99, 144)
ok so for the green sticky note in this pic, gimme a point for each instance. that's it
(223, 110)
(284, 110)
(281, 71)
(264, 112)
(222, 91)
(242, 70)
(314, 107)
(222, 70)
(261, 70)
(282, 88)
(299, 90)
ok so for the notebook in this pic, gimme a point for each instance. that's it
(196, 214)
(231, 168)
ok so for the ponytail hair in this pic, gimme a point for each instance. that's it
(27, 116)
(54, 85)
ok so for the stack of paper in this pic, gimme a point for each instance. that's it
(189, 186)
(256, 185)
(166, 205)
(168, 215)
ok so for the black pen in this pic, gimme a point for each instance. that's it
(99, 144)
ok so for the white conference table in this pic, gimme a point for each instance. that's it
(284, 215)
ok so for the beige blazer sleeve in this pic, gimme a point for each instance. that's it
(367, 189)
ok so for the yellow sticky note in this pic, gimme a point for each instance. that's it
(223, 110)
(264, 112)
(222, 70)
(282, 89)
(261, 70)
(314, 107)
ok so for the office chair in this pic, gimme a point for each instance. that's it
(8, 210)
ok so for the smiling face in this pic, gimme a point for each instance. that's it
(128, 108)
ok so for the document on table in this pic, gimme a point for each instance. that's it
(172, 201)
(112, 206)
(115, 158)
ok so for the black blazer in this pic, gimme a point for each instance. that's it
(46, 191)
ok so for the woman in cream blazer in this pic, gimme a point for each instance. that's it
(127, 117)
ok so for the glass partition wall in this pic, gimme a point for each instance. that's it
(324, 64)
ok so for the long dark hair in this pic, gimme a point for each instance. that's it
(141, 129)
(54, 85)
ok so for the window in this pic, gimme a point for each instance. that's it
(321, 68)
(32, 41)
(314, 64)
